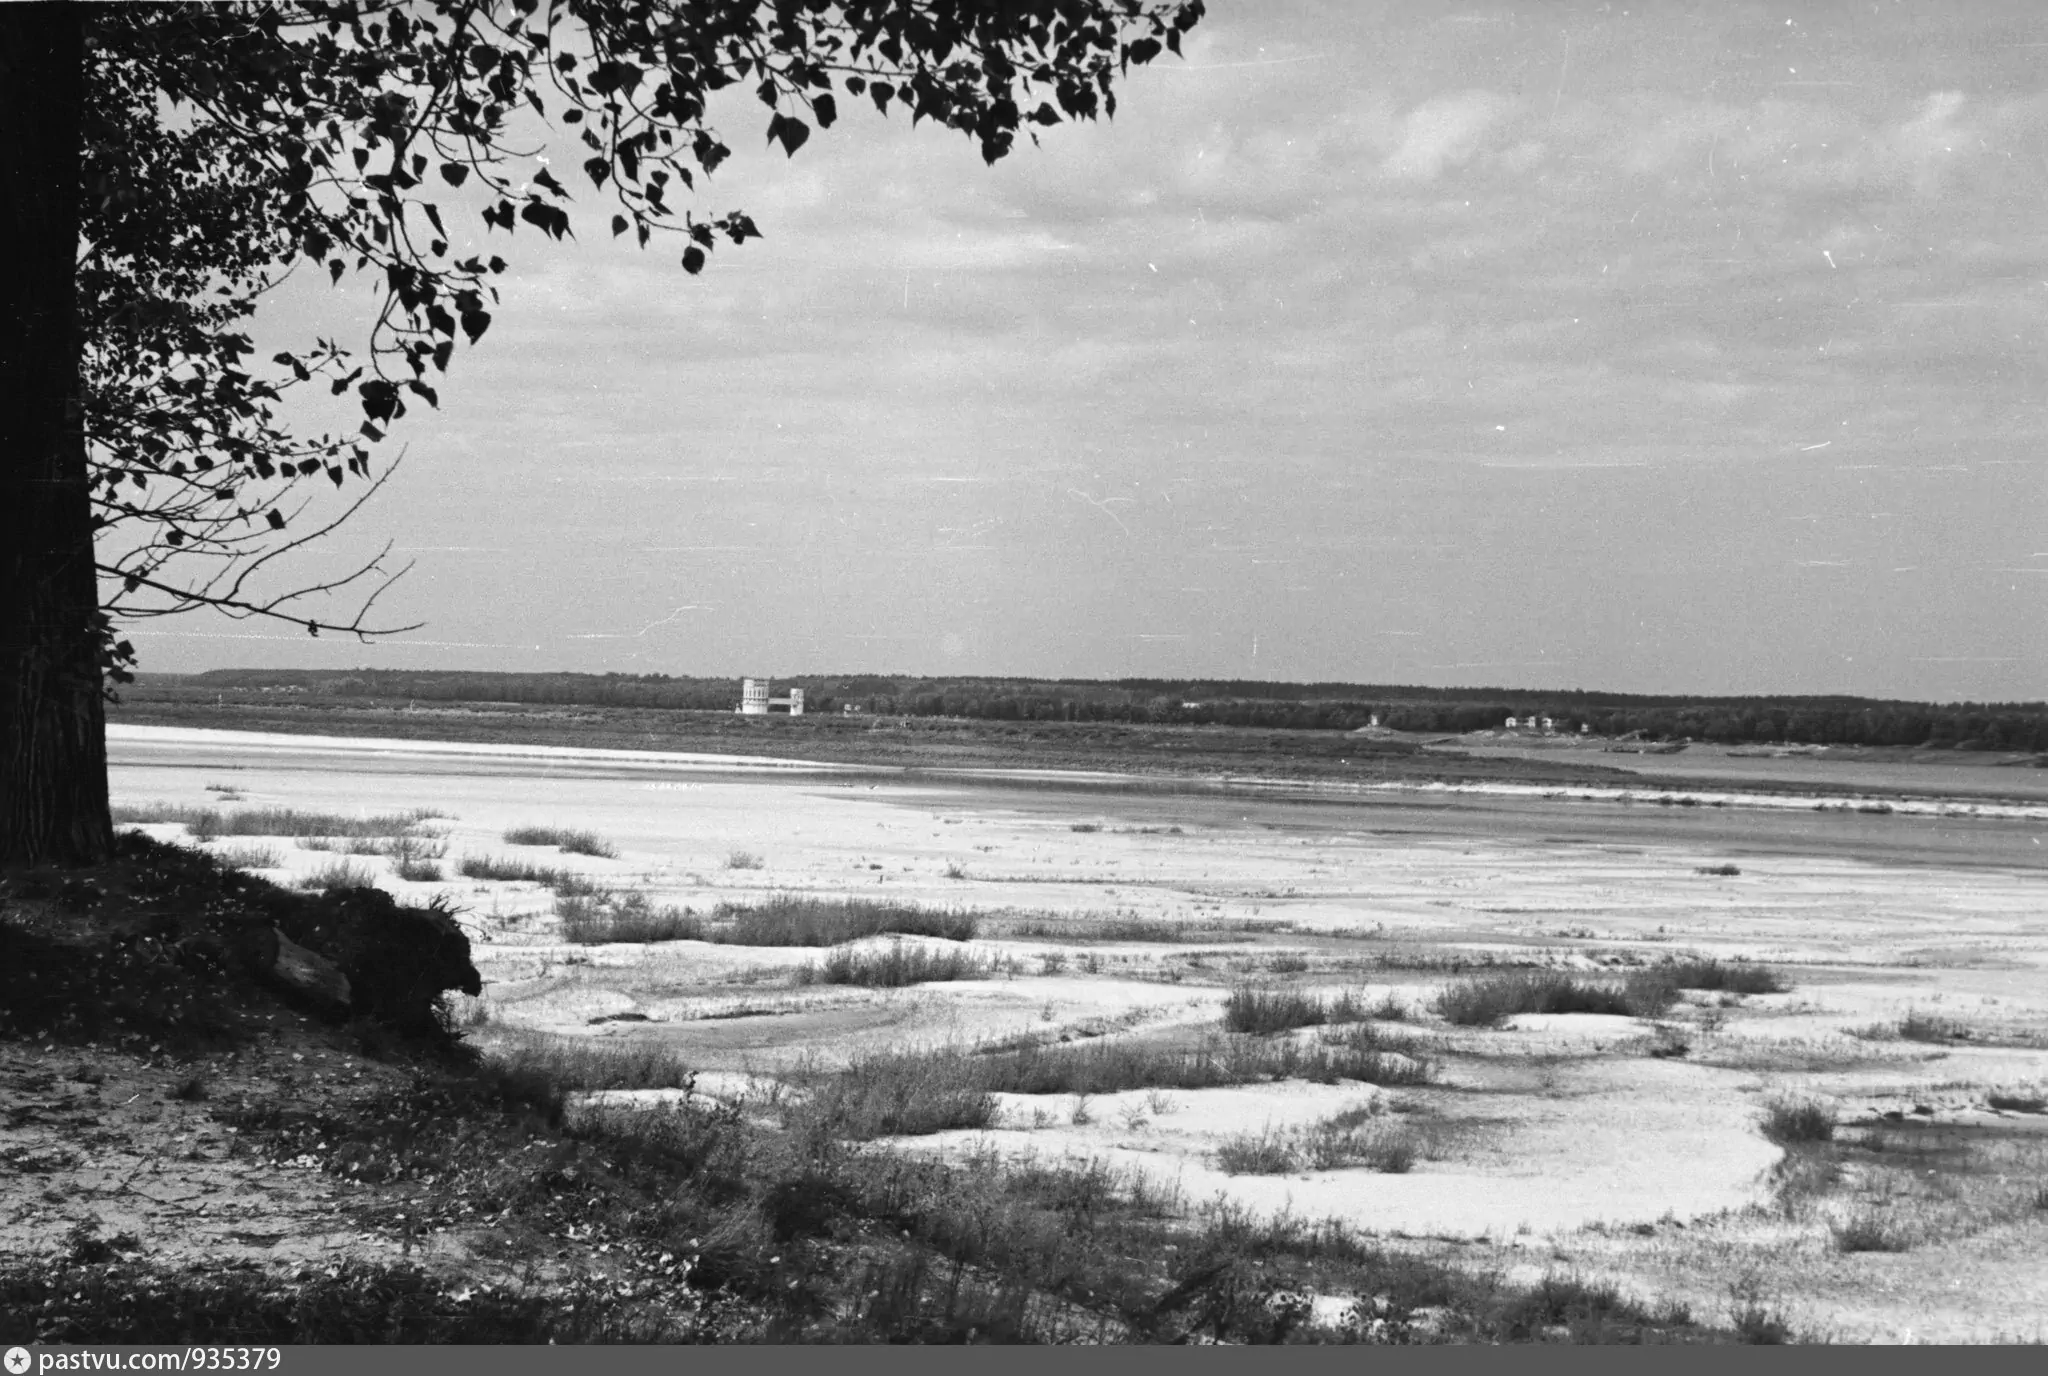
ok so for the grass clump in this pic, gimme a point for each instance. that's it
(1356, 1137)
(1486, 1000)
(896, 966)
(249, 857)
(1728, 977)
(541, 1071)
(1868, 1232)
(1271, 1010)
(563, 839)
(1265, 1152)
(415, 859)
(744, 860)
(608, 918)
(886, 1094)
(1792, 1122)
(1266, 1011)
(511, 870)
(796, 920)
(336, 874)
(1110, 1067)
(1918, 1026)
(1724, 871)
(897, 1094)
(208, 823)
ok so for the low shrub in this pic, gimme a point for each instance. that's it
(1121, 927)
(895, 966)
(207, 823)
(1732, 977)
(744, 860)
(249, 857)
(896, 1093)
(1265, 1152)
(1918, 1026)
(336, 874)
(795, 920)
(1789, 1122)
(1725, 871)
(607, 918)
(1868, 1232)
(2018, 1103)
(515, 871)
(1486, 1000)
(563, 839)
(1271, 1010)
(1327, 1146)
(543, 1071)
(1255, 1010)
(1112, 1066)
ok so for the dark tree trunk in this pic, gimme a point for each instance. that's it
(53, 746)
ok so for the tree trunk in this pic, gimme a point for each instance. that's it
(53, 746)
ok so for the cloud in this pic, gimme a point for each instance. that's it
(1444, 133)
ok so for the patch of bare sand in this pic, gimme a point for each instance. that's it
(1607, 1142)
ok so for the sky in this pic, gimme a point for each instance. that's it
(1653, 348)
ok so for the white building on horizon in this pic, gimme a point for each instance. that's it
(755, 701)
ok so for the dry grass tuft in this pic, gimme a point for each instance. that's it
(786, 919)
(1356, 1137)
(336, 874)
(1265, 1011)
(1789, 1122)
(563, 839)
(1732, 977)
(606, 918)
(207, 823)
(249, 857)
(1868, 1231)
(899, 964)
(1487, 1000)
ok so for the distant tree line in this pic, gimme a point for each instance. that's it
(1289, 706)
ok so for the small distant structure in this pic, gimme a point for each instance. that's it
(1543, 726)
(851, 709)
(755, 701)
(1514, 724)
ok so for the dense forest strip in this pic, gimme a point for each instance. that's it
(1196, 753)
(1280, 706)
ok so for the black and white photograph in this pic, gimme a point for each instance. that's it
(1021, 672)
